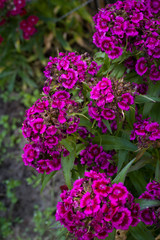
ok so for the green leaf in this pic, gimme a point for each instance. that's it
(69, 143)
(122, 157)
(117, 70)
(11, 82)
(122, 174)
(62, 41)
(106, 64)
(111, 236)
(6, 73)
(46, 178)
(79, 148)
(157, 171)
(130, 116)
(140, 232)
(81, 170)
(67, 165)
(106, 122)
(146, 203)
(138, 181)
(85, 121)
(113, 142)
(146, 99)
(133, 77)
(155, 113)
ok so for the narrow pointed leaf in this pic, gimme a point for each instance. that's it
(122, 174)
(46, 179)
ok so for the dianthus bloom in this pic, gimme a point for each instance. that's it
(151, 215)
(14, 8)
(94, 206)
(110, 98)
(53, 117)
(47, 123)
(146, 132)
(131, 26)
(69, 70)
(96, 158)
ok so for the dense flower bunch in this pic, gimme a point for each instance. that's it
(14, 8)
(27, 26)
(96, 158)
(131, 26)
(151, 215)
(110, 99)
(69, 70)
(94, 207)
(145, 132)
(52, 118)
(47, 122)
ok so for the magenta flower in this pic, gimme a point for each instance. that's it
(141, 67)
(115, 52)
(100, 187)
(87, 212)
(127, 100)
(38, 126)
(108, 114)
(90, 205)
(119, 193)
(122, 219)
(93, 112)
(148, 216)
(72, 128)
(154, 6)
(138, 16)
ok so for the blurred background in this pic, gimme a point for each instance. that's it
(25, 212)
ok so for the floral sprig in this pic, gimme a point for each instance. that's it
(94, 206)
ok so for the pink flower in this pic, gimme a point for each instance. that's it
(63, 64)
(100, 187)
(93, 112)
(119, 193)
(148, 216)
(138, 16)
(108, 114)
(141, 67)
(32, 20)
(115, 52)
(91, 205)
(38, 126)
(72, 128)
(122, 219)
(127, 100)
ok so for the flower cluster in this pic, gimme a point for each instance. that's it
(131, 26)
(111, 98)
(96, 158)
(13, 8)
(151, 215)
(94, 207)
(145, 132)
(69, 70)
(47, 122)
(27, 26)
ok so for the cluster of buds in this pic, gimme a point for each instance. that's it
(145, 132)
(132, 26)
(110, 99)
(151, 215)
(13, 8)
(95, 158)
(94, 206)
